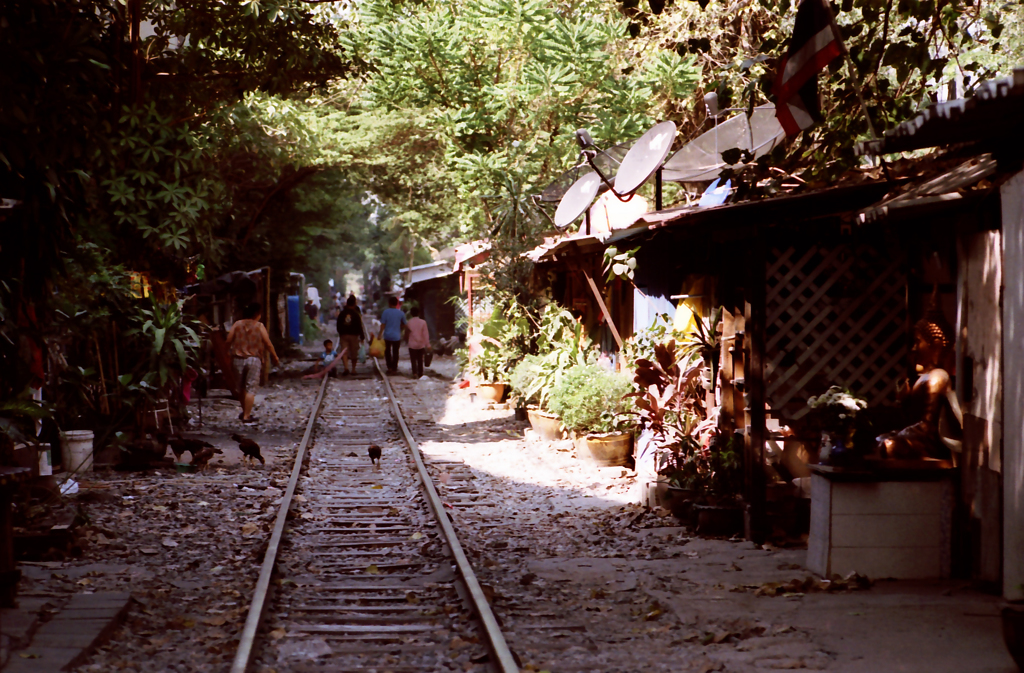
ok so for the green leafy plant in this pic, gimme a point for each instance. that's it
(505, 338)
(163, 344)
(489, 366)
(590, 399)
(18, 414)
(525, 380)
(669, 402)
(561, 344)
(619, 264)
(641, 344)
(704, 344)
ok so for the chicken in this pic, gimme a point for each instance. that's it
(201, 458)
(250, 449)
(180, 445)
(374, 453)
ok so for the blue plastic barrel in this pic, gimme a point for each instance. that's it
(295, 319)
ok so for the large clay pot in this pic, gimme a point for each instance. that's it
(1013, 631)
(611, 449)
(680, 502)
(716, 521)
(491, 392)
(547, 426)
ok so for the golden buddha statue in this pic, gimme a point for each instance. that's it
(928, 399)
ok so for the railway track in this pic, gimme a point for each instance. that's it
(363, 571)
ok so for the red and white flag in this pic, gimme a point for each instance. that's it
(813, 46)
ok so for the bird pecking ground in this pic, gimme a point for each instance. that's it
(188, 547)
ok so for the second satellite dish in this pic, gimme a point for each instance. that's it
(577, 200)
(644, 158)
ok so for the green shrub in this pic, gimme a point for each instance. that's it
(526, 380)
(588, 398)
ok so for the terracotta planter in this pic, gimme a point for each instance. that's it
(714, 520)
(1013, 631)
(609, 450)
(491, 392)
(548, 426)
(680, 502)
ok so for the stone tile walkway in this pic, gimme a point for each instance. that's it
(58, 644)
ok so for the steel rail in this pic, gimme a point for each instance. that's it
(500, 652)
(259, 598)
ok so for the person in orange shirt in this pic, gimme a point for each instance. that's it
(248, 341)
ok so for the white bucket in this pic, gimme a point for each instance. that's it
(45, 462)
(78, 451)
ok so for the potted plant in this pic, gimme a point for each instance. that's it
(835, 414)
(700, 465)
(499, 344)
(589, 399)
(487, 367)
(560, 343)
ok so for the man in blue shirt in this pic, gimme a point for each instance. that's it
(392, 322)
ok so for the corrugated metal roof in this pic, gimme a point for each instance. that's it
(938, 191)
(422, 272)
(807, 205)
(995, 110)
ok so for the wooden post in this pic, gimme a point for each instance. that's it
(104, 403)
(727, 415)
(469, 305)
(754, 314)
(604, 308)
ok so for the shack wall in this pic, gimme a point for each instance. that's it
(1012, 206)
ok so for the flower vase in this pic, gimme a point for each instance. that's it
(826, 448)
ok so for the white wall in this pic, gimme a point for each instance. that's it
(1012, 198)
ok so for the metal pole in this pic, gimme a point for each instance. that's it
(259, 598)
(850, 67)
(502, 656)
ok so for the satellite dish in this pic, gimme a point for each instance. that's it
(607, 162)
(644, 158)
(701, 159)
(577, 199)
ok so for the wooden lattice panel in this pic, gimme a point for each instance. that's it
(835, 316)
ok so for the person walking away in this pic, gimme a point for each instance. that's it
(392, 320)
(419, 341)
(350, 333)
(248, 341)
(336, 311)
